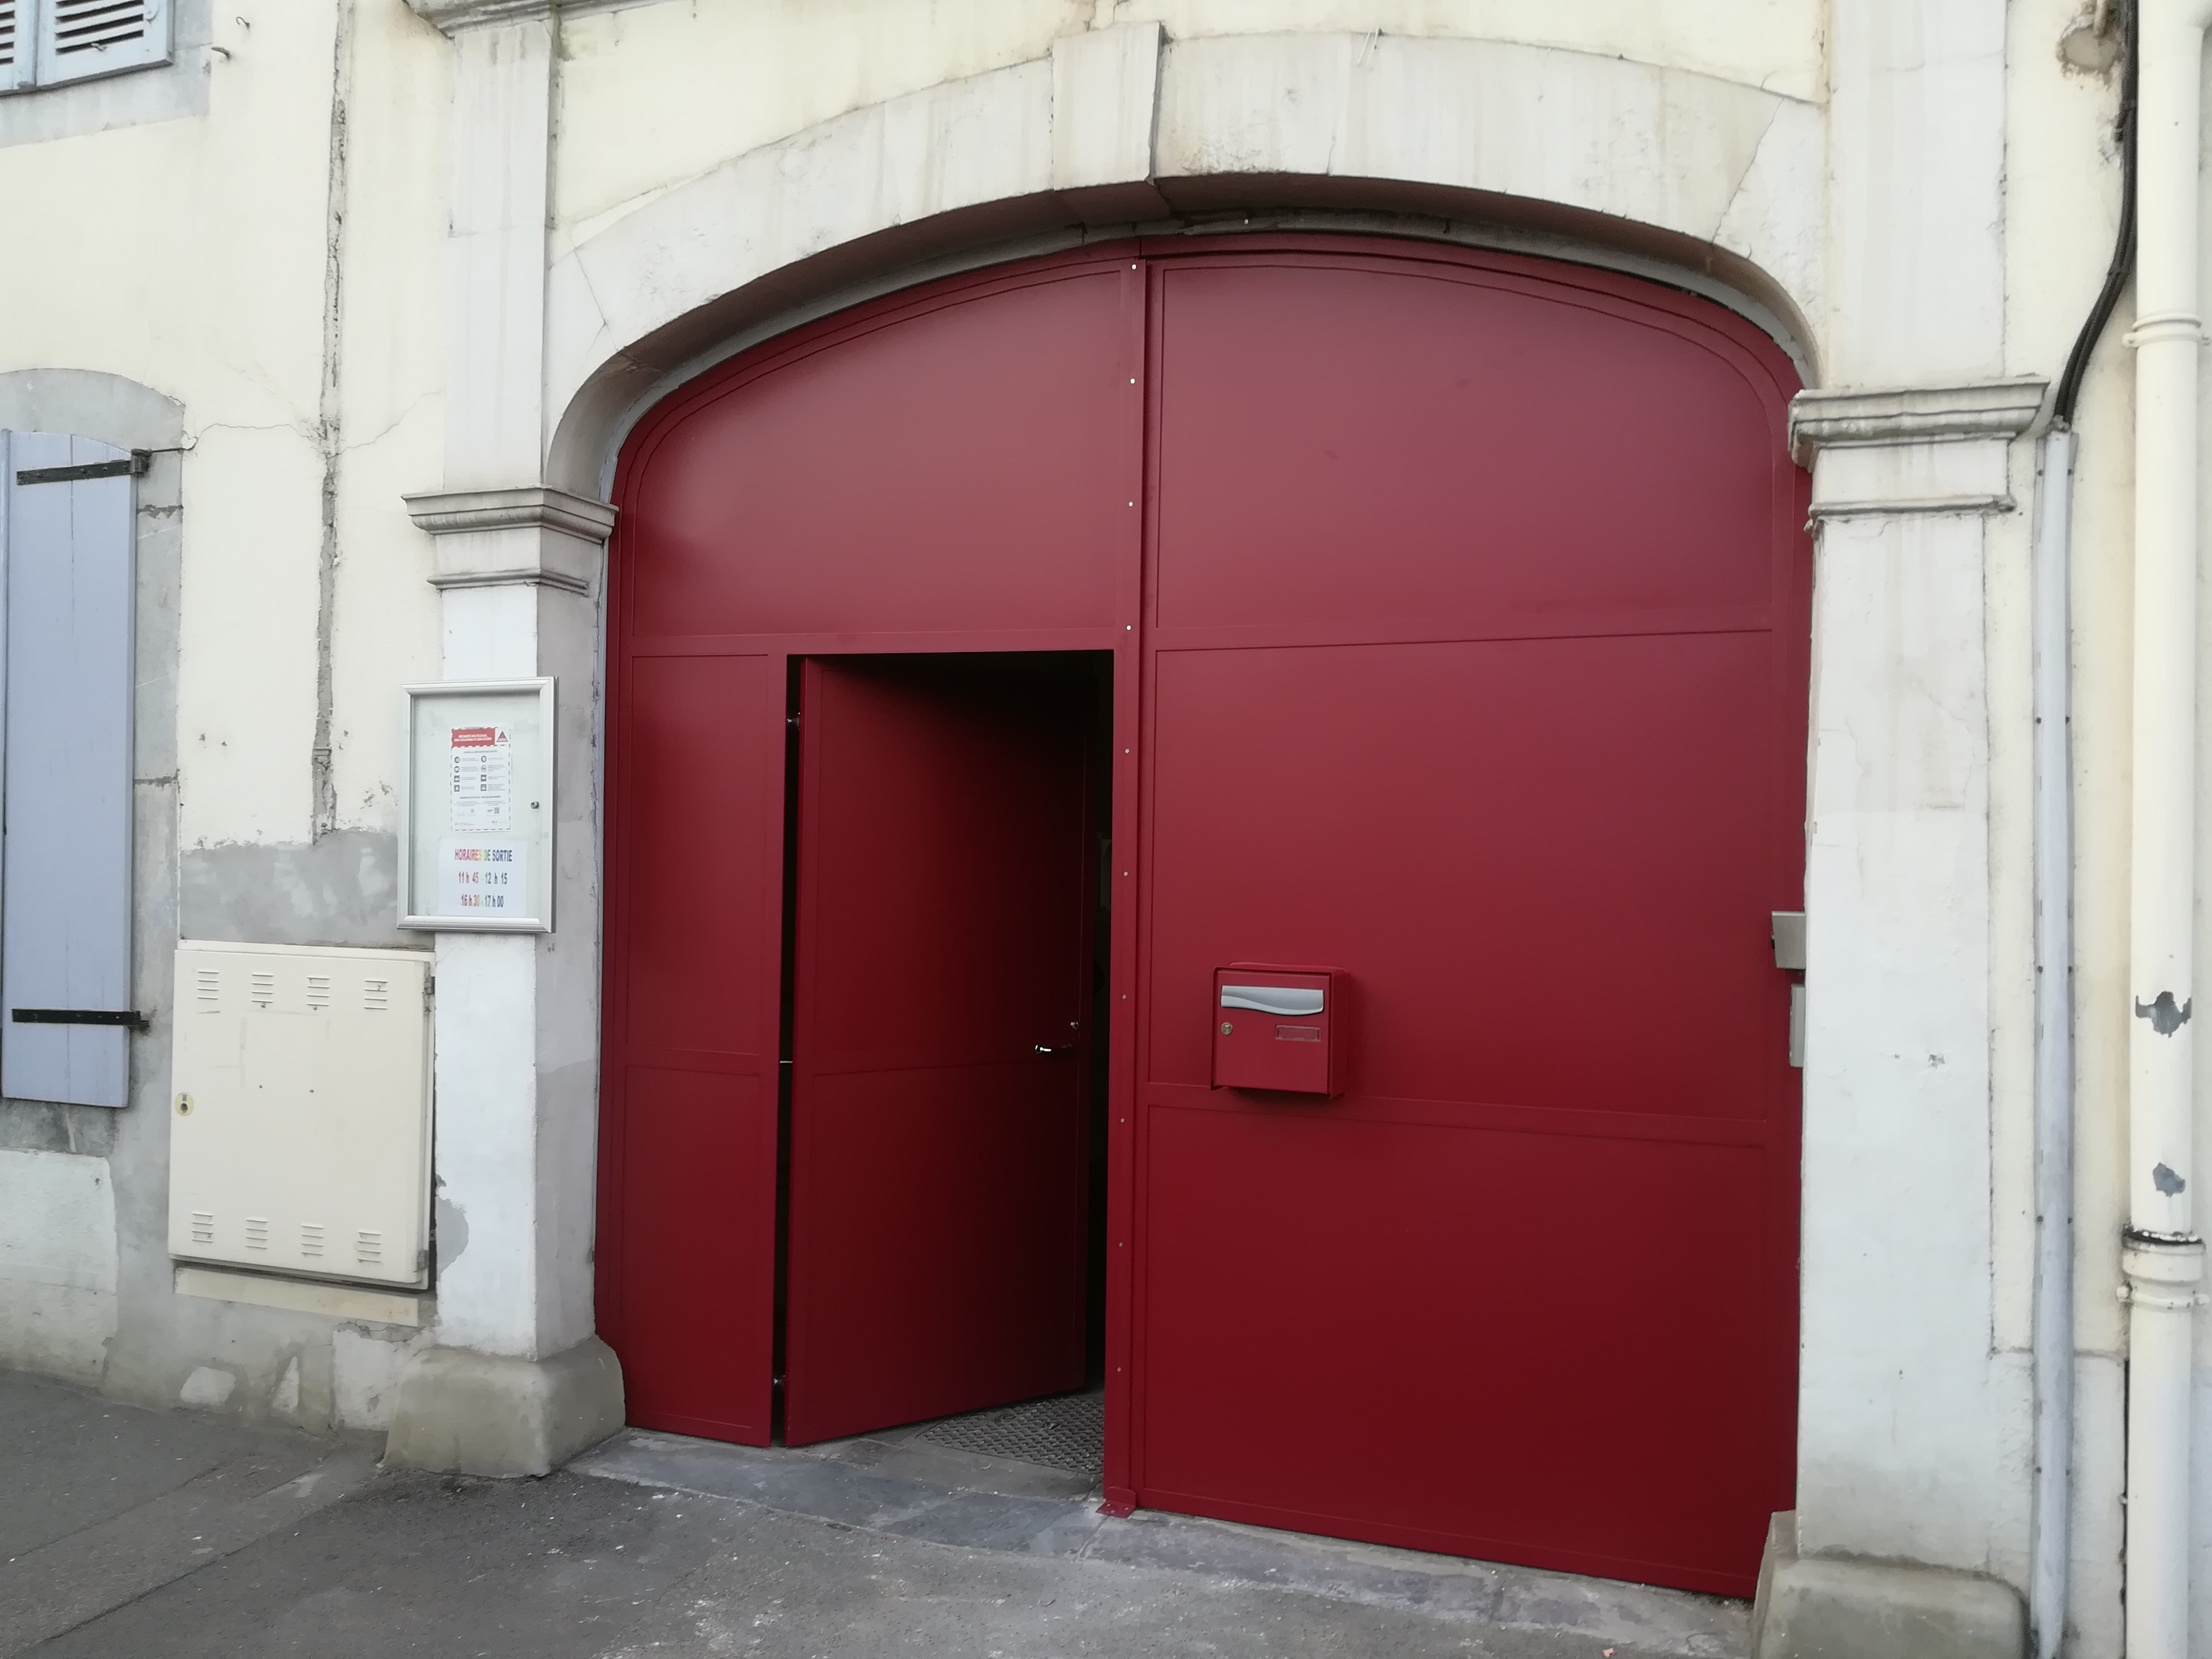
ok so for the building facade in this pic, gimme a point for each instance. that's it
(353, 346)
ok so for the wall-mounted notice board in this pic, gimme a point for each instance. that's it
(475, 851)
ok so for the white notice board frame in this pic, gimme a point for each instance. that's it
(510, 810)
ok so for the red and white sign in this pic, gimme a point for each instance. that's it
(483, 778)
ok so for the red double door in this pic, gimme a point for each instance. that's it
(1454, 610)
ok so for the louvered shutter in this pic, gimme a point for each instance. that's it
(66, 573)
(15, 46)
(80, 39)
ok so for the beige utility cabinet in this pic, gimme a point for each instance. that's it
(299, 1112)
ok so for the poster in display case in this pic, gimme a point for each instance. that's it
(476, 849)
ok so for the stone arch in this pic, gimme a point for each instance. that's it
(1695, 180)
(90, 404)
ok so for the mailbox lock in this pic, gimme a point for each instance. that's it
(1227, 1030)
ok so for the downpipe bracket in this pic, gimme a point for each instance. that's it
(2167, 326)
(2163, 1270)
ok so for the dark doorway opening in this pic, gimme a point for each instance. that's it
(942, 1055)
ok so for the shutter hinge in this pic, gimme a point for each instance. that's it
(429, 992)
(135, 467)
(129, 1017)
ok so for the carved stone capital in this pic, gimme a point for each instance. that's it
(1865, 418)
(443, 512)
(530, 534)
(1923, 449)
(451, 16)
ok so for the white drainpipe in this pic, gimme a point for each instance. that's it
(2163, 1258)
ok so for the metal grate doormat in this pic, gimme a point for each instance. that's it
(1066, 1433)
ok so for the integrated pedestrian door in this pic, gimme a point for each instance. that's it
(1206, 816)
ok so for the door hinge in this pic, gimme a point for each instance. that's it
(1787, 934)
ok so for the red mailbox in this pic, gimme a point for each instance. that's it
(1278, 1028)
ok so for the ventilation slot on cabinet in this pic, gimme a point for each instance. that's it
(95, 25)
(265, 988)
(376, 995)
(257, 1232)
(207, 990)
(318, 991)
(368, 1247)
(202, 1226)
(7, 32)
(311, 1238)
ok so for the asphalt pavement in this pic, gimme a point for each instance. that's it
(127, 1533)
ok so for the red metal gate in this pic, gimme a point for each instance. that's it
(1459, 608)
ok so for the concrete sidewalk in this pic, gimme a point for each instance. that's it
(127, 1532)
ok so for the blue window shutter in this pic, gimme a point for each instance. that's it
(65, 768)
(16, 47)
(78, 39)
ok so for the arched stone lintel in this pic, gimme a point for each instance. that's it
(90, 404)
(1708, 184)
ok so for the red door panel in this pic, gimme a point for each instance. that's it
(1493, 1325)
(693, 1319)
(830, 489)
(1473, 680)
(1566, 1028)
(936, 1254)
(1349, 442)
(1542, 861)
(830, 480)
(686, 1251)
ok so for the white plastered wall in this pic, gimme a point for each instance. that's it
(189, 255)
(705, 150)
(1911, 1425)
(2063, 164)
(2062, 203)
(721, 82)
(180, 244)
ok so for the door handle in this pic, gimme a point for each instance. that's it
(1043, 1051)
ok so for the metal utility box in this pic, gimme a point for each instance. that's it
(300, 1111)
(1279, 1028)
